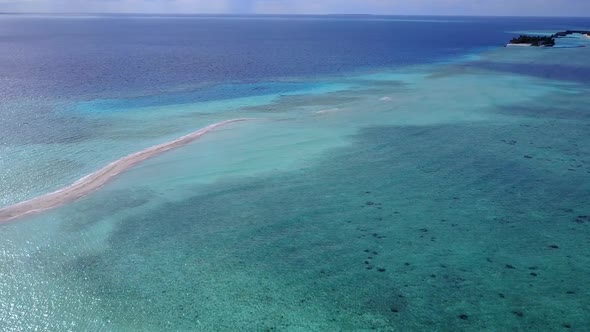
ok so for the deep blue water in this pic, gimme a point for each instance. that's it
(69, 57)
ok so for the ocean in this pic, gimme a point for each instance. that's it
(392, 174)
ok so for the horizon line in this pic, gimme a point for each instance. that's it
(277, 14)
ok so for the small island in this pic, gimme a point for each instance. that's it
(523, 40)
(544, 41)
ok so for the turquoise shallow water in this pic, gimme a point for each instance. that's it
(440, 197)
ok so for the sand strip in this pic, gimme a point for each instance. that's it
(97, 179)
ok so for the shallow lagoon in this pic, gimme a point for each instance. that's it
(448, 196)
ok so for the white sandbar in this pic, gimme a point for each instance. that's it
(99, 178)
